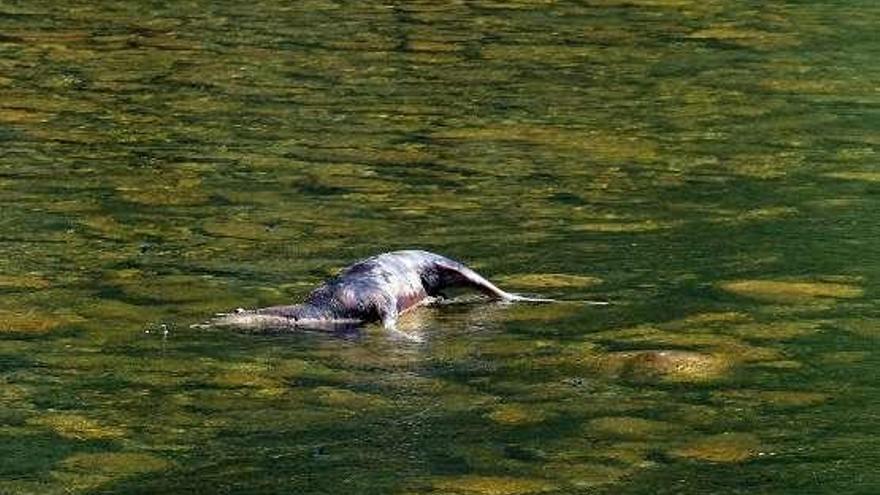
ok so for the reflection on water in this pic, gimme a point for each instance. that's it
(708, 167)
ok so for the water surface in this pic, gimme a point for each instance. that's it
(708, 167)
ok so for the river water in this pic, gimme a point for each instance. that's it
(710, 168)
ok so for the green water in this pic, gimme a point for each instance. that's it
(708, 167)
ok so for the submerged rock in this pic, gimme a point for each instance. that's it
(517, 414)
(33, 322)
(784, 330)
(774, 398)
(340, 397)
(792, 291)
(628, 427)
(723, 448)
(855, 175)
(84, 472)
(78, 427)
(491, 485)
(667, 365)
(23, 282)
(584, 475)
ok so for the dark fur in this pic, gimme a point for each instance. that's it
(375, 289)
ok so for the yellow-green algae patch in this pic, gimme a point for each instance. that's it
(491, 485)
(757, 214)
(544, 312)
(709, 319)
(113, 310)
(549, 280)
(844, 357)
(171, 288)
(855, 175)
(667, 365)
(784, 291)
(340, 397)
(77, 427)
(253, 375)
(597, 144)
(33, 322)
(169, 187)
(723, 448)
(517, 414)
(695, 415)
(751, 38)
(864, 327)
(29, 281)
(238, 229)
(631, 453)
(23, 116)
(776, 331)
(628, 427)
(85, 472)
(709, 356)
(648, 225)
(773, 398)
(585, 474)
(12, 394)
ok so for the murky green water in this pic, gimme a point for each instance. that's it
(709, 167)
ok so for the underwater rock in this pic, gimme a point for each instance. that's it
(855, 175)
(116, 311)
(172, 186)
(696, 415)
(777, 331)
(29, 281)
(340, 397)
(783, 291)
(517, 414)
(491, 485)
(33, 322)
(239, 229)
(757, 214)
(667, 365)
(173, 289)
(543, 312)
(77, 427)
(251, 375)
(584, 475)
(628, 427)
(844, 357)
(723, 448)
(647, 225)
(598, 144)
(746, 37)
(702, 319)
(84, 472)
(772, 398)
(863, 327)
